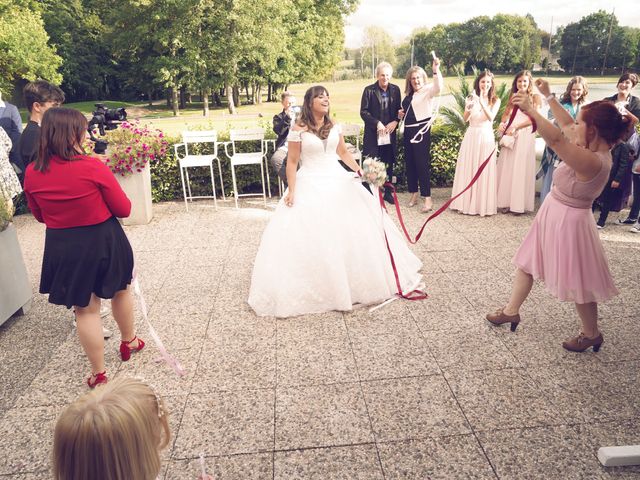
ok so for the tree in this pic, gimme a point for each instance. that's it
(25, 53)
(77, 32)
(586, 42)
(377, 47)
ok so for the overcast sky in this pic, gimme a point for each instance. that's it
(400, 17)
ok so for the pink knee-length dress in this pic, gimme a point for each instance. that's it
(562, 247)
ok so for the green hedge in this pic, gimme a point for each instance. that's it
(165, 176)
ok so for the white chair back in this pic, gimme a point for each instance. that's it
(351, 130)
(200, 136)
(247, 135)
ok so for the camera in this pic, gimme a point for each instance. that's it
(105, 119)
(294, 110)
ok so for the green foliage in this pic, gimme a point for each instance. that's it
(377, 47)
(6, 212)
(166, 184)
(445, 144)
(503, 43)
(454, 115)
(584, 44)
(25, 53)
(76, 30)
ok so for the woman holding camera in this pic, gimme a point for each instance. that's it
(478, 143)
(86, 255)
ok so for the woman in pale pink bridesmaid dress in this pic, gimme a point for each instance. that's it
(517, 164)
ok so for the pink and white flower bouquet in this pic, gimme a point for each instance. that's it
(374, 172)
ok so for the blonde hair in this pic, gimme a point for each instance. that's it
(114, 432)
(408, 88)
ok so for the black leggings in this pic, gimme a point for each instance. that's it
(417, 158)
(635, 206)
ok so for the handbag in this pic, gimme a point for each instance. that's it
(507, 141)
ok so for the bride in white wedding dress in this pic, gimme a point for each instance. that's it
(324, 248)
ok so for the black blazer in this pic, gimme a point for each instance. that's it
(281, 125)
(370, 113)
(633, 105)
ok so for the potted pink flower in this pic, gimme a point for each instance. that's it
(131, 148)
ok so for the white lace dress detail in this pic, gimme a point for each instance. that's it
(328, 252)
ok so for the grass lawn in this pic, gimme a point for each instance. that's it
(345, 105)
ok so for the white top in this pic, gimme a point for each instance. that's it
(422, 101)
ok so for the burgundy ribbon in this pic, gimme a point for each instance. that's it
(418, 294)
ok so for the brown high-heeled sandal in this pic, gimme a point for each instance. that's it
(413, 201)
(582, 343)
(499, 317)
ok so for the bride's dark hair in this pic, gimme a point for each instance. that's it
(306, 118)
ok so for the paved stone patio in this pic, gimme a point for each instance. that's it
(413, 390)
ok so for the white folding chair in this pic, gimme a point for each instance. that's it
(255, 157)
(353, 130)
(189, 160)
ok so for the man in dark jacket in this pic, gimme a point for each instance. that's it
(379, 110)
(281, 125)
(39, 97)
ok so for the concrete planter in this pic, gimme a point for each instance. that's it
(138, 189)
(15, 289)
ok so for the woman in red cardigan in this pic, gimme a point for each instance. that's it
(87, 256)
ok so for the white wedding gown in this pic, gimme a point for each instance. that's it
(328, 251)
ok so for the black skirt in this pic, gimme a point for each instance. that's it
(80, 261)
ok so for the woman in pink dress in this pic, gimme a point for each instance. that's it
(517, 159)
(562, 247)
(478, 143)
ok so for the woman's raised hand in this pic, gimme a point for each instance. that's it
(543, 87)
(522, 101)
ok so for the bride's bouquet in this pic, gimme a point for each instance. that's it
(374, 172)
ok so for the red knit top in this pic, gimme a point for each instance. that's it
(74, 193)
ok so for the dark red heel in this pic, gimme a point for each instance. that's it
(514, 325)
(97, 379)
(126, 350)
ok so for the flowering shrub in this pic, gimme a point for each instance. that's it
(132, 146)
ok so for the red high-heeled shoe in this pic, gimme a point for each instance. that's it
(126, 350)
(98, 379)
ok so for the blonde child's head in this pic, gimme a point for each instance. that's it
(115, 432)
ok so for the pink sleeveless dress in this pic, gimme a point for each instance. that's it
(562, 247)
